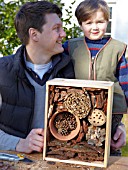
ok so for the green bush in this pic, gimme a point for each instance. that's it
(8, 36)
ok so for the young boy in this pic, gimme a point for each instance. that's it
(98, 58)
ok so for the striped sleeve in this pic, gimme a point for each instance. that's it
(122, 75)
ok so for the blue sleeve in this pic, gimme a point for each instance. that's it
(122, 75)
(8, 142)
(65, 46)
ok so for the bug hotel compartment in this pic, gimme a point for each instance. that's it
(78, 121)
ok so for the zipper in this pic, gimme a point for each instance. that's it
(92, 65)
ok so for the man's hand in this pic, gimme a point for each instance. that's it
(33, 142)
(119, 139)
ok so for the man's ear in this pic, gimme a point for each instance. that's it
(33, 34)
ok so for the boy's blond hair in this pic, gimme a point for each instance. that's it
(87, 8)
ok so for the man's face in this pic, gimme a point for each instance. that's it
(95, 27)
(50, 40)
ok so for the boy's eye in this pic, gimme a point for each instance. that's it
(101, 21)
(88, 23)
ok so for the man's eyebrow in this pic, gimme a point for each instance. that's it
(57, 24)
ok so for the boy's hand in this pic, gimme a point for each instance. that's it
(119, 139)
(33, 142)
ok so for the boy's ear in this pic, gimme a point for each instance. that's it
(81, 27)
(33, 34)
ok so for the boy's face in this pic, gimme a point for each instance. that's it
(50, 40)
(95, 27)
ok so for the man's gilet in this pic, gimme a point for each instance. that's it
(102, 68)
(18, 94)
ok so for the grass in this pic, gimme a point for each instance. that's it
(125, 148)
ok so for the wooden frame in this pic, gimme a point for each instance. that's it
(86, 84)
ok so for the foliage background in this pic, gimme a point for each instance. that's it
(9, 40)
(8, 37)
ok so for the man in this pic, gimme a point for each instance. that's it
(24, 74)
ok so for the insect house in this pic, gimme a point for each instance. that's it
(78, 121)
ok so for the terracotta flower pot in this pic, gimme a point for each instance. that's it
(55, 131)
